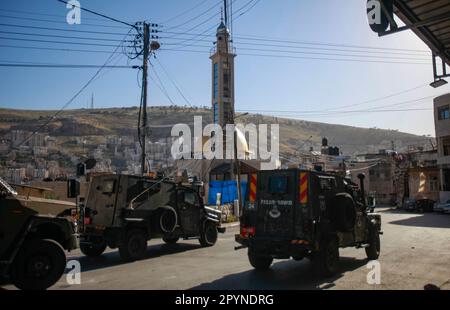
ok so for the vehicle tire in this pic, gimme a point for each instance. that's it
(93, 249)
(259, 261)
(373, 251)
(208, 235)
(170, 240)
(39, 264)
(343, 213)
(168, 220)
(327, 259)
(134, 246)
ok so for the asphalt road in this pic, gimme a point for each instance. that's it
(415, 251)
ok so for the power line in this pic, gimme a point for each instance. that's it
(197, 16)
(248, 10)
(101, 15)
(55, 49)
(298, 42)
(72, 66)
(161, 86)
(174, 83)
(307, 58)
(60, 36)
(57, 42)
(46, 14)
(65, 30)
(384, 97)
(57, 21)
(298, 47)
(50, 119)
(185, 12)
(302, 52)
(334, 112)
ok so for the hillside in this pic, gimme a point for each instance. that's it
(98, 123)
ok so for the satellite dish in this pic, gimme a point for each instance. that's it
(90, 163)
(376, 15)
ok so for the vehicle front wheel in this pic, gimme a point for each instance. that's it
(208, 235)
(170, 240)
(93, 249)
(133, 246)
(259, 261)
(39, 264)
(373, 251)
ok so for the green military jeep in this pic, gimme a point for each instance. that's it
(32, 243)
(124, 212)
(297, 213)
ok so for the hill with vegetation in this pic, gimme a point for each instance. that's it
(95, 124)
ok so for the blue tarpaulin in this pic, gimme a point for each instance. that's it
(228, 189)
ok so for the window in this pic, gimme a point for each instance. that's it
(216, 81)
(109, 187)
(216, 113)
(278, 184)
(189, 198)
(446, 148)
(434, 185)
(327, 184)
(444, 113)
(226, 86)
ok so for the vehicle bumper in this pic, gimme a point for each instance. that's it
(275, 247)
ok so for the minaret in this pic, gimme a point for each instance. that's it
(223, 78)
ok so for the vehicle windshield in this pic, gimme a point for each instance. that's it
(6, 188)
(278, 184)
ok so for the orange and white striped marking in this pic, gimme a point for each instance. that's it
(303, 188)
(253, 180)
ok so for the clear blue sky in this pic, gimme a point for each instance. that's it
(262, 83)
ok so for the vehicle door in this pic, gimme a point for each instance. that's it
(102, 199)
(189, 210)
(276, 204)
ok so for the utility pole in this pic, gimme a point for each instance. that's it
(144, 120)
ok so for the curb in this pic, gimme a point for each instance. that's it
(231, 225)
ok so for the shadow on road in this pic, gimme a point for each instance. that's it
(284, 275)
(430, 220)
(111, 259)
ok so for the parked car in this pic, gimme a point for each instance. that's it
(425, 205)
(442, 207)
(419, 205)
(409, 204)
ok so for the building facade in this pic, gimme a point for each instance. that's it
(442, 126)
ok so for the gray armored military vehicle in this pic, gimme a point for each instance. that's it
(33, 239)
(125, 212)
(296, 214)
